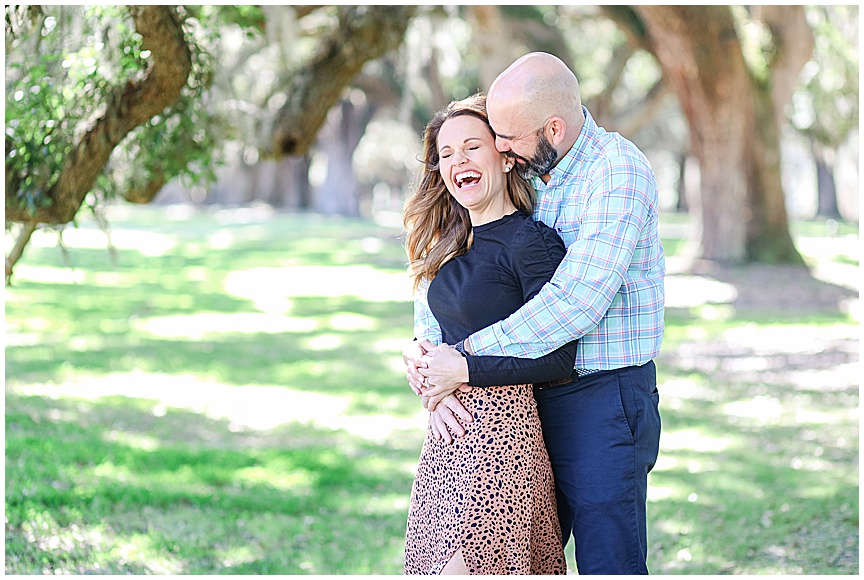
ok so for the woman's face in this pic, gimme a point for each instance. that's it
(472, 168)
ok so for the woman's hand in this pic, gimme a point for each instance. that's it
(412, 356)
(446, 371)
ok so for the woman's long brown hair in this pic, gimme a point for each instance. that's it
(438, 228)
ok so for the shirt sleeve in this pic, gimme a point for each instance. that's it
(489, 371)
(577, 297)
(537, 252)
(425, 325)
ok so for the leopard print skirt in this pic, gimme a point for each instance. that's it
(490, 493)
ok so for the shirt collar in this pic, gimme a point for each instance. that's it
(565, 167)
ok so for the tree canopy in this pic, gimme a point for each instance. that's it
(118, 101)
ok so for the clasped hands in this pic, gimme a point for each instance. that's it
(435, 373)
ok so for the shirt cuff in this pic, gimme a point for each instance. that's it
(485, 342)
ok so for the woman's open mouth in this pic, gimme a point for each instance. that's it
(466, 179)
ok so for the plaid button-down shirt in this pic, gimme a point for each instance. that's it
(608, 291)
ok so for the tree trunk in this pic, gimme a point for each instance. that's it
(339, 138)
(700, 56)
(125, 108)
(144, 193)
(27, 229)
(364, 33)
(768, 238)
(733, 125)
(249, 179)
(827, 206)
(277, 192)
(681, 204)
(301, 182)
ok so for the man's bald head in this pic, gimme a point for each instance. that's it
(535, 109)
(542, 86)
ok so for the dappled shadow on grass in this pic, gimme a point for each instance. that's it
(736, 510)
(266, 426)
(345, 345)
(233, 358)
(778, 289)
(215, 500)
(368, 377)
(758, 469)
(141, 238)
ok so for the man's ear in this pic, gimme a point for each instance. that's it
(556, 128)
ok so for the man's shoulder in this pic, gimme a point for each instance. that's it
(610, 148)
(610, 154)
(599, 154)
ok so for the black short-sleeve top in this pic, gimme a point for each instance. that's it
(509, 261)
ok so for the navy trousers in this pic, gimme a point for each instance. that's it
(603, 435)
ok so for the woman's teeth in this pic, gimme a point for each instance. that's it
(466, 178)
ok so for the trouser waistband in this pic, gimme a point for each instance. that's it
(573, 378)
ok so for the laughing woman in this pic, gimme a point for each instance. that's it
(484, 504)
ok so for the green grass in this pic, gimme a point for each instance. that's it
(226, 397)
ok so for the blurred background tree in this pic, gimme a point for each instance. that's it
(320, 108)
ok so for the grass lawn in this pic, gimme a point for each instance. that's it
(223, 393)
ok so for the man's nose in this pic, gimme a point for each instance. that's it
(502, 145)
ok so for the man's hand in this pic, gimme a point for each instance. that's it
(412, 355)
(450, 413)
(446, 370)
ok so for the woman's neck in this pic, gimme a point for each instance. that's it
(492, 213)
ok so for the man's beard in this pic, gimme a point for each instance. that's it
(542, 162)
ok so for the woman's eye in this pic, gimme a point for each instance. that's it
(474, 147)
(446, 156)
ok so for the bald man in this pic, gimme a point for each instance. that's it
(601, 425)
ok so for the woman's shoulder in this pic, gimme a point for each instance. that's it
(533, 238)
(529, 229)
